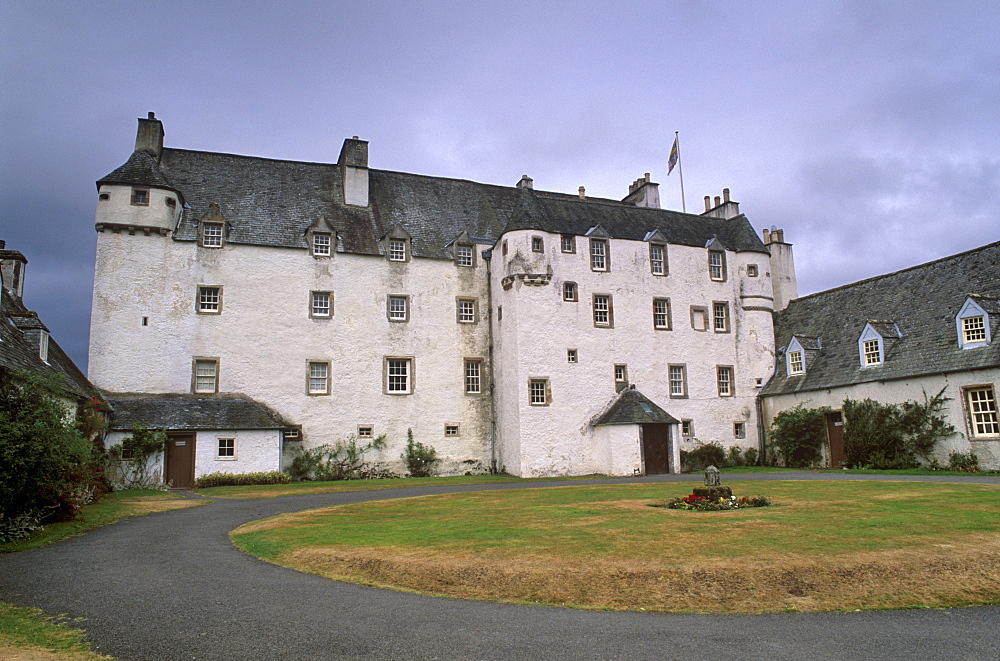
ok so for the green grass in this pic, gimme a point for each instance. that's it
(907, 471)
(755, 469)
(24, 630)
(595, 521)
(110, 508)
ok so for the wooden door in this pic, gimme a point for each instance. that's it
(835, 435)
(656, 448)
(179, 459)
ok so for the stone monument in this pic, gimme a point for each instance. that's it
(713, 490)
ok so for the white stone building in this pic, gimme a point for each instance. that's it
(509, 328)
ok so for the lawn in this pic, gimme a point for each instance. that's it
(825, 545)
(27, 633)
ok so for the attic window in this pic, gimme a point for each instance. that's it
(43, 346)
(140, 197)
(871, 355)
(321, 244)
(871, 344)
(973, 325)
(717, 265)
(397, 250)
(795, 365)
(464, 255)
(211, 235)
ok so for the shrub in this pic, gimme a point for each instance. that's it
(735, 456)
(241, 479)
(132, 462)
(419, 458)
(704, 455)
(965, 462)
(880, 435)
(48, 468)
(343, 460)
(750, 456)
(798, 435)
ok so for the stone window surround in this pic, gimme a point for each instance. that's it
(215, 238)
(572, 356)
(658, 253)
(313, 307)
(321, 244)
(390, 299)
(537, 244)
(665, 313)
(687, 428)
(466, 307)
(139, 197)
(207, 297)
(600, 255)
(682, 381)
(397, 249)
(473, 380)
(604, 301)
(725, 378)
(981, 413)
(567, 243)
(317, 373)
(539, 391)
(722, 306)
(702, 311)
(452, 429)
(204, 362)
(366, 431)
(394, 364)
(717, 265)
(465, 255)
(571, 292)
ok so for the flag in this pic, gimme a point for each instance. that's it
(673, 157)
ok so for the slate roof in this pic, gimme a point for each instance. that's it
(191, 412)
(921, 301)
(270, 202)
(632, 407)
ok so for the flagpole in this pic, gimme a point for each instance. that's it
(680, 169)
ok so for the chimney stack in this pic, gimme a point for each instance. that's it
(583, 193)
(149, 137)
(708, 204)
(353, 162)
(783, 284)
(643, 193)
(12, 266)
(724, 207)
(526, 182)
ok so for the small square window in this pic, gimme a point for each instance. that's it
(473, 376)
(678, 381)
(724, 376)
(538, 392)
(451, 430)
(321, 245)
(140, 197)
(657, 259)
(568, 243)
(717, 265)
(571, 356)
(720, 317)
(603, 311)
(740, 429)
(226, 449)
(211, 235)
(206, 375)
(464, 255)
(621, 377)
(209, 300)
(661, 313)
(687, 427)
(399, 376)
(466, 312)
(598, 255)
(366, 431)
(398, 308)
(397, 250)
(319, 378)
(321, 304)
(570, 292)
(751, 270)
(537, 245)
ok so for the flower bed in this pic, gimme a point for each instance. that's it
(700, 504)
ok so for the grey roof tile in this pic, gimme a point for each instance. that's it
(632, 407)
(224, 411)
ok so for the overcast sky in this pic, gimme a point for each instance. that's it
(867, 130)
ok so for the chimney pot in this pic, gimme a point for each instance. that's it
(708, 203)
(717, 201)
(583, 193)
(646, 178)
(151, 115)
(725, 194)
(767, 236)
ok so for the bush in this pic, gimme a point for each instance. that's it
(131, 461)
(343, 460)
(889, 436)
(241, 479)
(419, 458)
(798, 435)
(964, 462)
(735, 456)
(750, 457)
(48, 468)
(706, 454)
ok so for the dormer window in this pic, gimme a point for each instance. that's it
(717, 265)
(43, 346)
(871, 353)
(973, 324)
(321, 244)
(795, 363)
(657, 259)
(872, 343)
(211, 235)
(797, 356)
(598, 255)
(397, 250)
(464, 255)
(140, 197)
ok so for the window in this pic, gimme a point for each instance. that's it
(499, 313)
(751, 270)
(397, 250)
(973, 324)
(209, 300)
(678, 381)
(699, 318)
(687, 427)
(206, 375)
(598, 255)
(740, 429)
(537, 245)
(451, 430)
(321, 245)
(661, 313)
(464, 255)
(973, 330)
(571, 356)
(569, 291)
(872, 354)
(397, 308)
(724, 377)
(320, 304)
(43, 346)
(319, 378)
(473, 376)
(503, 249)
(568, 243)
(226, 449)
(717, 265)
(795, 365)
(603, 312)
(621, 377)
(983, 411)
(538, 392)
(171, 202)
(720, 317)
(140, 197)
(211, 235)
(466, 311)
(290, 434)
(657, 259)
(366, 431)
(399, 376)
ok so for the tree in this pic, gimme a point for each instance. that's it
(798, 434)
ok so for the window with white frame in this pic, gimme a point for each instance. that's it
(320, 304)
(603, 311)
(724, 379)
(570, 292)
(464, 255)
(795, 364)
(687, 427)
(871, 354)
(397, 308)
(973, 324)
(982, 404)
(206, 375)
(319, 378)
(466, 311)
(571, 356)
(720, 317)
(209, 300)
(399, 376)
(538, 392)
(43, 346)
(568, 243)
(211, 235)
(321, 244)
(661, 313)
(973, 330)
(717, 265)
(140, 197)
(397, 250)
(621, 375)
(226, 448)
(598, 255)
(678, 380)
(657, 259)
(537, 245)
(473, 376)
(451, 429)
(366, 431)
